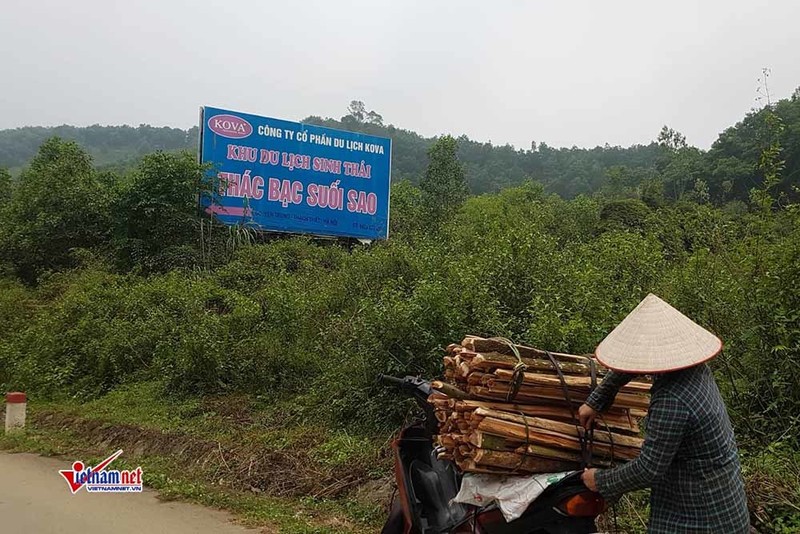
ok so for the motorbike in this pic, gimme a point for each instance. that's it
(426, 486)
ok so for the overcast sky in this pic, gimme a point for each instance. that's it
(511, 71)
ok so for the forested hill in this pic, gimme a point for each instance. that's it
(108, 145)
(568, 172)
(666, 167)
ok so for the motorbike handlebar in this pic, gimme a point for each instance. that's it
(391, 380)
(408, 383)
(419, 389)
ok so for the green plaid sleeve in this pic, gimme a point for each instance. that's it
(603, 395)
(667, 424)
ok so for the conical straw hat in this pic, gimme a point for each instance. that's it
(656, 338)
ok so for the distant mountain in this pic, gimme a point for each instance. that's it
(726, 172)
(489, 167)
(106, 144)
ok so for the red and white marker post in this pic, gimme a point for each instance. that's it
(16, 404)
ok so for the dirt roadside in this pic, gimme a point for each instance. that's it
(34, 498)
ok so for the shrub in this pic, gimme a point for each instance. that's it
(57, 205)
(626, 214)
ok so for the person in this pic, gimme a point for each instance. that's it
(689, 456)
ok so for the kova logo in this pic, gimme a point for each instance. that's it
(101, 479)
(230, 126)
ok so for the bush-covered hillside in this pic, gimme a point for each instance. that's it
(117, 279)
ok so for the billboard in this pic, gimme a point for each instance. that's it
(286, 176)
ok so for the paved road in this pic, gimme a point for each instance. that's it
(35, 499)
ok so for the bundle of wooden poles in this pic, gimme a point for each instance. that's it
(505, 409)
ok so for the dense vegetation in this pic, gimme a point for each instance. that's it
(112, 279)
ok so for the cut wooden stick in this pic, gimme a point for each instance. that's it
(494, 360)
(570, 381)
(479, 344)
(548, 438)
(449, 390)
(562, 428)
(549, 452)
(501, 391)
(618, 419)
(519, 462)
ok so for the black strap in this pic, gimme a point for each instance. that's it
(586, 454)
(527, 444)
(590, 430)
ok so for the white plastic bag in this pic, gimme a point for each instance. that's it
(513, 493)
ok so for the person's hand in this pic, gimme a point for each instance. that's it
(586, 415)
(588, 478)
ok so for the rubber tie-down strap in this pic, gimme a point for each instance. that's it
(585, 454)
(519, 369)
(593, 369)
(602, 419)
(590, 430)
(527, 444)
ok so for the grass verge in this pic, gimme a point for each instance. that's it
(283, 474)
(200, 450)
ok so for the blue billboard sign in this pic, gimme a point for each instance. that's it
(285, 176)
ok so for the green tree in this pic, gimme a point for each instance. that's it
(770, 162)
(156, 214)
(701, 191)
(408, 216)
(58, 205)
(5, 186)
(627, 214)
(651, 191)
(670, 139)
(681, 165)
(630, 182)
(357, 114)
(445, 185)
(761, 152)
(5, 196)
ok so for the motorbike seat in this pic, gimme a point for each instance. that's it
(434, 486)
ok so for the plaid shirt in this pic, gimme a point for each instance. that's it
(689, 456)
